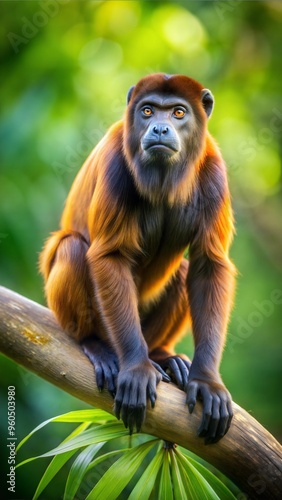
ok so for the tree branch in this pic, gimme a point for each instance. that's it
(248, 454)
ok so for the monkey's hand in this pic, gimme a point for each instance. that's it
(105, 363)
(217, 407)
(135, 385)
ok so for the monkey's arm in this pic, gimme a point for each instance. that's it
(116, 295)
(210, 288)
(117, 300)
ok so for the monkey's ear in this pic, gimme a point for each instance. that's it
(129, 94)
(208, 101)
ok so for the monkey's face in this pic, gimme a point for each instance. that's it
(163, 125)
(164, 131)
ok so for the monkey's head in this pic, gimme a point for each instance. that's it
(165, 127)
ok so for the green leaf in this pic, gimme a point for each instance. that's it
(144, 486)
(93, 464)
(79, 468)
(120, 473)
(95, 416)
(91, 436)
(53, 468)
(165, 490)
(179, 487)
(220, 488)
(196, 483)
(57, 462)
(104, 457)
(194, 487)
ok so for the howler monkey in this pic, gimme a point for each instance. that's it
(115, 274)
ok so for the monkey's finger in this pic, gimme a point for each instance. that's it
(108, 379)
(125, 405)
(99, 374)
(141, 407)
(132, 410)
(223, 422)
(187, 364)
(230, 413)
(124, 414)
(184, 371)
(151, 393)
(117, 408)
(114, 369)
(119, 400)
(131, 418)
(140, 413)
(191, 398)
(112, 379)
(207, 411)
(165, 376)
(175, 371)
(214, 421)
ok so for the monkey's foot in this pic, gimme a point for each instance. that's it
(105, 362)
(178, 369)
(165, 376)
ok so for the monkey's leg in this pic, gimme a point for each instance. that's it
(166, 323)
(70, 295)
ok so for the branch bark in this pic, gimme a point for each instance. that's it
(248, 454)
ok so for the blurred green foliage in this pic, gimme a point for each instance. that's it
(66, 69)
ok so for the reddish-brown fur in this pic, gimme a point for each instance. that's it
(115, 270)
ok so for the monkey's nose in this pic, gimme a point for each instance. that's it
(160, 129)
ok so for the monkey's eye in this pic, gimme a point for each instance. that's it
(147, 111)
(179, 113)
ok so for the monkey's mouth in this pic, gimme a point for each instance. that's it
(162, 147)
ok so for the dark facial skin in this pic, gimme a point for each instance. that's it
(164, 120)
(163, 125)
